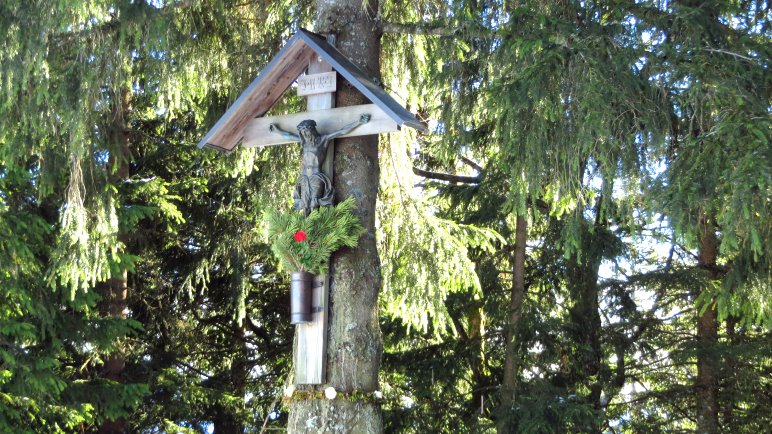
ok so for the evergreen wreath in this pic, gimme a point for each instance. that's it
(306, 243)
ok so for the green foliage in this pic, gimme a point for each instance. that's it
(306, 243)
(66, 68)
(720, 126)
(425, 258)
(620, 129)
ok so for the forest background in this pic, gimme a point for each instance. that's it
(582, 244)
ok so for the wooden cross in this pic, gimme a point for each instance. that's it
(311, 338)
(243, 124)
(319, 85)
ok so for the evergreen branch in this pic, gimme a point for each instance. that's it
(259, 332)
(192, 368)
(323, 232)
(432, 29)
(447, 177)
(471, 163)
(730, 53)
(93, 31)
(89, 33)
(276, 400)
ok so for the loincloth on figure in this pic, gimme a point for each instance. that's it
(313, 191)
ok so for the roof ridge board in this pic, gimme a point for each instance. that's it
(226, 117)
(340, 63)
(357, 77)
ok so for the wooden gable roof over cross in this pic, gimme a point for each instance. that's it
(233, 127)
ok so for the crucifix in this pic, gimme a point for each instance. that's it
(310, 350)
(314, 188)
(313, 61)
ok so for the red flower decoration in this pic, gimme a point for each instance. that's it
(300, 236)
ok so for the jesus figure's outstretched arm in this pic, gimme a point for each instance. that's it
(286, 134)
(346, 128)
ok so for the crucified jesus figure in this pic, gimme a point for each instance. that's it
(313, 188)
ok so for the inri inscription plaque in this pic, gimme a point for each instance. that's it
(316, 83)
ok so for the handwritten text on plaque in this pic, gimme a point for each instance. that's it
(316, 83)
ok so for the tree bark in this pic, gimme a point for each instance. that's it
(227, 419)
(115, 295)
(434, 29)
(354, 338)
(447, 177)
(706, 383)
(508, 386)
(474, 340)
(728, 375)
(586, 362)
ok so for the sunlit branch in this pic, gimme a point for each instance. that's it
(432, 29)
(471, 163)
(730, 53)
(447, 177)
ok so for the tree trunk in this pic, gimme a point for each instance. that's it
(515, 313)
(586, 322)
(729, 376)
(114, 301)
(227, 419)
(475, 343)
(707, 337)
(354, 338)
(586, 363)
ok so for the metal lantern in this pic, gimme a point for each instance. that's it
(301, 292)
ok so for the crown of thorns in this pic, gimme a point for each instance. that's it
(308, 123)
